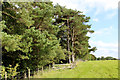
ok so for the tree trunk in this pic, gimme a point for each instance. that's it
(68, 41)
(73, 58)
(5, 75)
(25, 76)
(73, 55)
(69, 58)
(28, 74)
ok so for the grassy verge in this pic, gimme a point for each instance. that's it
(88, 69)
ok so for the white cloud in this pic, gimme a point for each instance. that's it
(105, 49)
(103, 44)
(95, 19)
(88, 34)
(67, 3)
(97, 7)
(101, 4)
(97, 12)
(88, 5)
(105, 31)
(111, 15)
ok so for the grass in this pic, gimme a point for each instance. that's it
(88, 69)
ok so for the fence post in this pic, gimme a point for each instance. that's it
(25, 76)
(12, 77)
(5, 75)
(42, 69)
(38, 70)
(28, 74)
(53, 64)
(49, 67)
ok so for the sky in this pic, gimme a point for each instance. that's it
(104, 21)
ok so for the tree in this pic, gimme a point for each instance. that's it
(102, 58)
(110, 58)
(89, 57)
(73, 31)
(98, 58)
(63, 16)
(38, 34)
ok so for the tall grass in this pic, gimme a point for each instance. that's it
(88, 69)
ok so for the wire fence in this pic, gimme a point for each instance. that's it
(25, 75)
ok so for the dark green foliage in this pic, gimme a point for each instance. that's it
(37, 34)
(110, 58)
(73, 31)
(89, 57)
(106, 58)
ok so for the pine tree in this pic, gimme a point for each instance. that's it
(38, 34)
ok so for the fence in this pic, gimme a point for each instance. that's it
(64, 66)
(25, 75)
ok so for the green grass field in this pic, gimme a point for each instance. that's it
(88, 69)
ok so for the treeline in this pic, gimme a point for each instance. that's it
(37, 34)
(106, 58)
(91, 57)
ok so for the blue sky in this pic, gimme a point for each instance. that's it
(104, 21)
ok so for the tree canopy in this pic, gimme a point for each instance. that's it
(36, 34)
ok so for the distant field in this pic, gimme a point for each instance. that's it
(88, 69)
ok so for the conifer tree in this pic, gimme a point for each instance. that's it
(37, 34)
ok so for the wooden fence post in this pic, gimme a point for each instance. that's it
(28, 74)
(12, 77)
(25, 76)
(5, 75)
(38, 70)
(53, 64)
(49, 67)
(42, 69)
